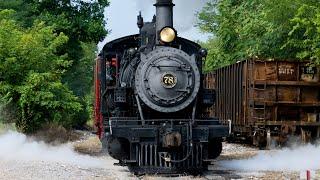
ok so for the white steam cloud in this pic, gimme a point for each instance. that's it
(184, 12)
(296, 159)
(17, 147)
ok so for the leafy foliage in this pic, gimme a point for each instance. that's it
(31, 71)
(79, 20)
(256, 28)
(305, 34)
(83, 22)
(82, 25)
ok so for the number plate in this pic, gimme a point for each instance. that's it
(169, 80)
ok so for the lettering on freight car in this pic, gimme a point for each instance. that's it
(309, 70)
(286, 70)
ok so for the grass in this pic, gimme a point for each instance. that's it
(91, 146)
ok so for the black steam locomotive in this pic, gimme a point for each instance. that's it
(150, 101)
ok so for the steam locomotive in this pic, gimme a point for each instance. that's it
(150, 100)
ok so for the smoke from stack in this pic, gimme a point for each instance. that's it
(184, 12)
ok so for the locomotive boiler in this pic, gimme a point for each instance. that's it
(150, 100)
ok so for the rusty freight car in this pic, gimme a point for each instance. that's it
(267, 100)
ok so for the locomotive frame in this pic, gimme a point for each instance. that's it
(150, 125)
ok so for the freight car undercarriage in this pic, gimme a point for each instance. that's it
(165, 146)
(279, 133)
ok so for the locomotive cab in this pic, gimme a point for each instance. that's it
(151, 116)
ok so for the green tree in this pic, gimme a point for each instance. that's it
(84, 25)
(254, 28)
(83, 22)
(305, 34)
(80, 20)
(31, 70)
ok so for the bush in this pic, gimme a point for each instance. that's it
(43, 100)
(33, 85)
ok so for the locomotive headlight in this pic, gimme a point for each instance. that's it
(167, 35)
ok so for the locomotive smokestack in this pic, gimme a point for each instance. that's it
(164, 13)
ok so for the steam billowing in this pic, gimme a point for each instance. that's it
(298, 158)
(17, 147)
(184, 11)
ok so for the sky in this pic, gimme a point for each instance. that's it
(122, 18)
